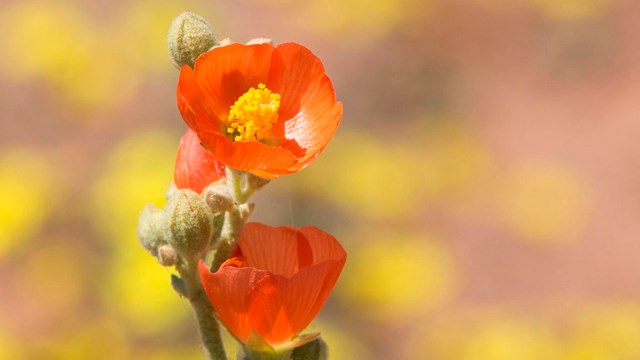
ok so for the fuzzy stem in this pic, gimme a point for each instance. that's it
(207, 322)
(233, 222)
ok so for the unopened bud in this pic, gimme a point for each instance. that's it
(170, 190)
(152, 228)
(190, 223)
(189, 36)
(167, 255)
(218, 198)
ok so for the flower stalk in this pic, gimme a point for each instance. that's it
(207, 323)
(229, 152)
(234, 220)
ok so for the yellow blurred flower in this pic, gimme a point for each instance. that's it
(571, 9)
(451, 162)
(508, 340)
(61, 287)
(380, 178)
(140, 35)
(91, 66)
(139, 289)
(564, 10)
(138, 171)
(26, 190)
(50, 41)
(9, 348)
(545, 204)
(364, 175)
(342, 344)
(363, 18)
(606, 332)
(98, 339)
(391, 276)
(485, 335)
(44, 39)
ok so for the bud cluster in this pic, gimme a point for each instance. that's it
(187, 227)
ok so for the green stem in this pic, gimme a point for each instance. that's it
(233, 222)
(208, 324)
(209, 329)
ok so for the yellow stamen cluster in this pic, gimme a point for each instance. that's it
(253, 114)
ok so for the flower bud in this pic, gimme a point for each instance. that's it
(190, 223)
(152, 228)
(218, 198)
(167, 255)
(170, 190)
(189, 36)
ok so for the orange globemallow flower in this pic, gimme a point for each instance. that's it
(259, 108)
(276, 283)
(195, 166)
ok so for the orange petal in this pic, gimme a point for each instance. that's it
(195, 167)
(309, 298)
(250, 156)
(268, 248)
(281, 307)
(323, 245)
(224, 73)
(333, 268)
(267, 313)
(188, 103)
(293, 69)
(315, 124)
(308, 101)
(227, 290)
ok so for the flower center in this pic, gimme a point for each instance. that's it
(253, 114)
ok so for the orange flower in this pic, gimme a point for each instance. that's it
(276, 283)
(259, 108)
(195, 166)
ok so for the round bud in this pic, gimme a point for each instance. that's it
(218, 198)
(189, 36)
(190, 223)
(167, 255)
(152, 228)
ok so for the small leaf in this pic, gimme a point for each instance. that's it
(178, 285)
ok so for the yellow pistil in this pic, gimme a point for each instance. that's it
(253, 114)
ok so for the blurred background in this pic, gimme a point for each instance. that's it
(485, 179)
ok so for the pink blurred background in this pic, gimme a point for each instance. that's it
(485, 179)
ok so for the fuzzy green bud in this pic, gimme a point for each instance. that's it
(189, 36)
(190, 223)
(167, 255)
(218, 198)
(152, 228)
